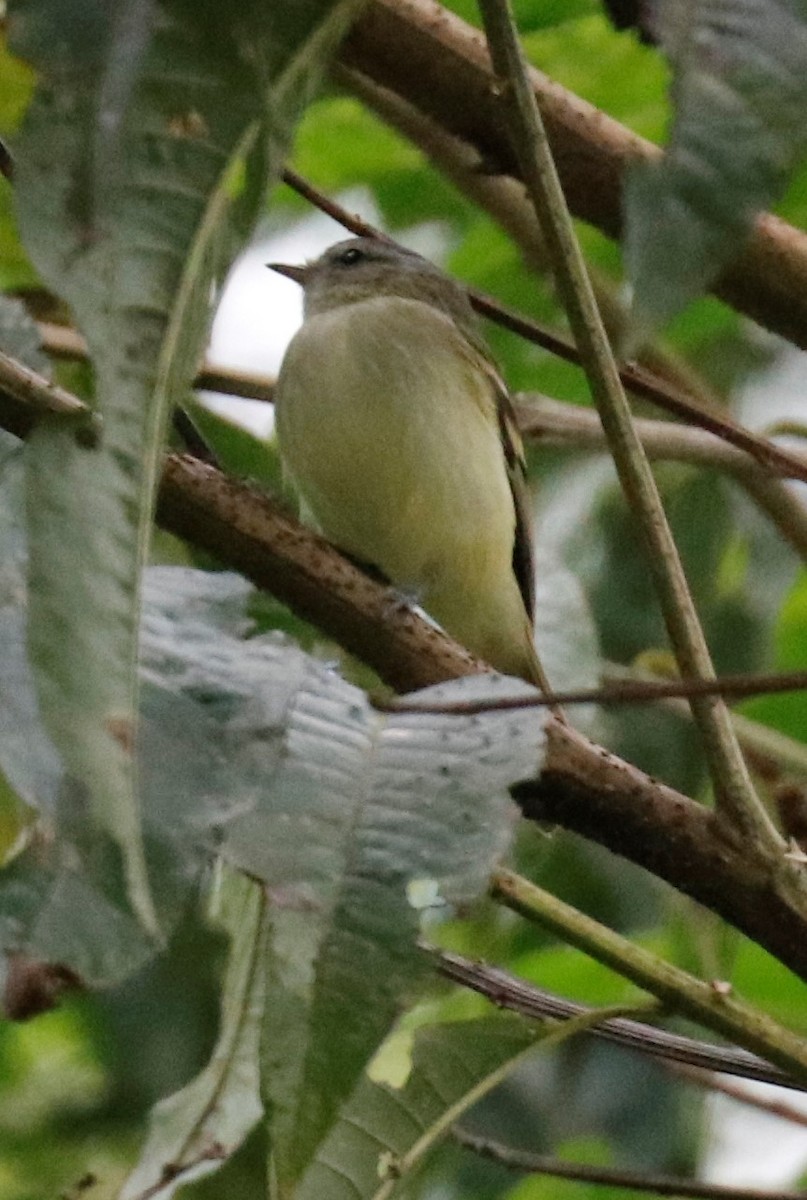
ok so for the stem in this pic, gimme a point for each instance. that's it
(743, 1095)
(734, 791)
(640, 1181)
(517, 995)
(550, 1038)
(676, 989)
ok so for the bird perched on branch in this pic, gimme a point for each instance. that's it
(397, 429)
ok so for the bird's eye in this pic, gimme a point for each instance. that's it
(350, 256)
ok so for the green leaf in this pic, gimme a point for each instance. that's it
(354, 819)
(740, 91)
(238, 450)
(372, 817)
(195, 1130)
(384, 1131)
(29, 766)
(143, 161)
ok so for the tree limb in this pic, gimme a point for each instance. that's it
(437, 62)
(582, 787)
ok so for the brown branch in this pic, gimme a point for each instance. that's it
(635, 691)
(503, 198)
(439, 64)
(548, 422)
(714, 1083)
(248, 531)
(517, 995)
(64, 342)
(582, 787)
(640, 1181)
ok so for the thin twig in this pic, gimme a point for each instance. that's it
(548, 422)
(641, 382)
(630, 692)
(31, 389)
(517, 995)
(502, 197)
(681, 992)
(715, 1083)
(771, 752)
(64, 342)
(641, 1181)
(734, 791)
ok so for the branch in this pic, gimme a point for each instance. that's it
(438, 63)
(582, 787)
(718, 1009)
(550, 423)
(640, 1181)
(517, 995)
(734, 792)
(713, 1083)
(637, 379)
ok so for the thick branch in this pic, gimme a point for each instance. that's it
(583, 786)
(439, 64)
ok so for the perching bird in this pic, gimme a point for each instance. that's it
(398, 432)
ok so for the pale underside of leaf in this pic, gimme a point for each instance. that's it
(134, 241)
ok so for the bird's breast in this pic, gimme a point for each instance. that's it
(390, 432)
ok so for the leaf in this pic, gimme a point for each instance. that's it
(195, 1130)
(144, 158)
(29, 765)
(372, 817)
(740, 90)
(19, 336)
(384, 1131)
(354, 819)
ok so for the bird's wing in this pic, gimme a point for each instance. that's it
(523, 544)
(513, 448)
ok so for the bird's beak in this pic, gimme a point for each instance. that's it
(298, 274)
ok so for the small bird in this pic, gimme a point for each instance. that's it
(398, 432)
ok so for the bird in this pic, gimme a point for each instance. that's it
(399, 435)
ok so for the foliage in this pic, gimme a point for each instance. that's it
(235, 851)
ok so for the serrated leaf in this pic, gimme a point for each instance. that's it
(195, 1130)
(351, 817)
(454, 1065)
(369, 814)
(129, 203)
(740, 92)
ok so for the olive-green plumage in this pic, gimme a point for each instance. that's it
(398, 433)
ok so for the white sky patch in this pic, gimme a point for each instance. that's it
(749, 1148)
